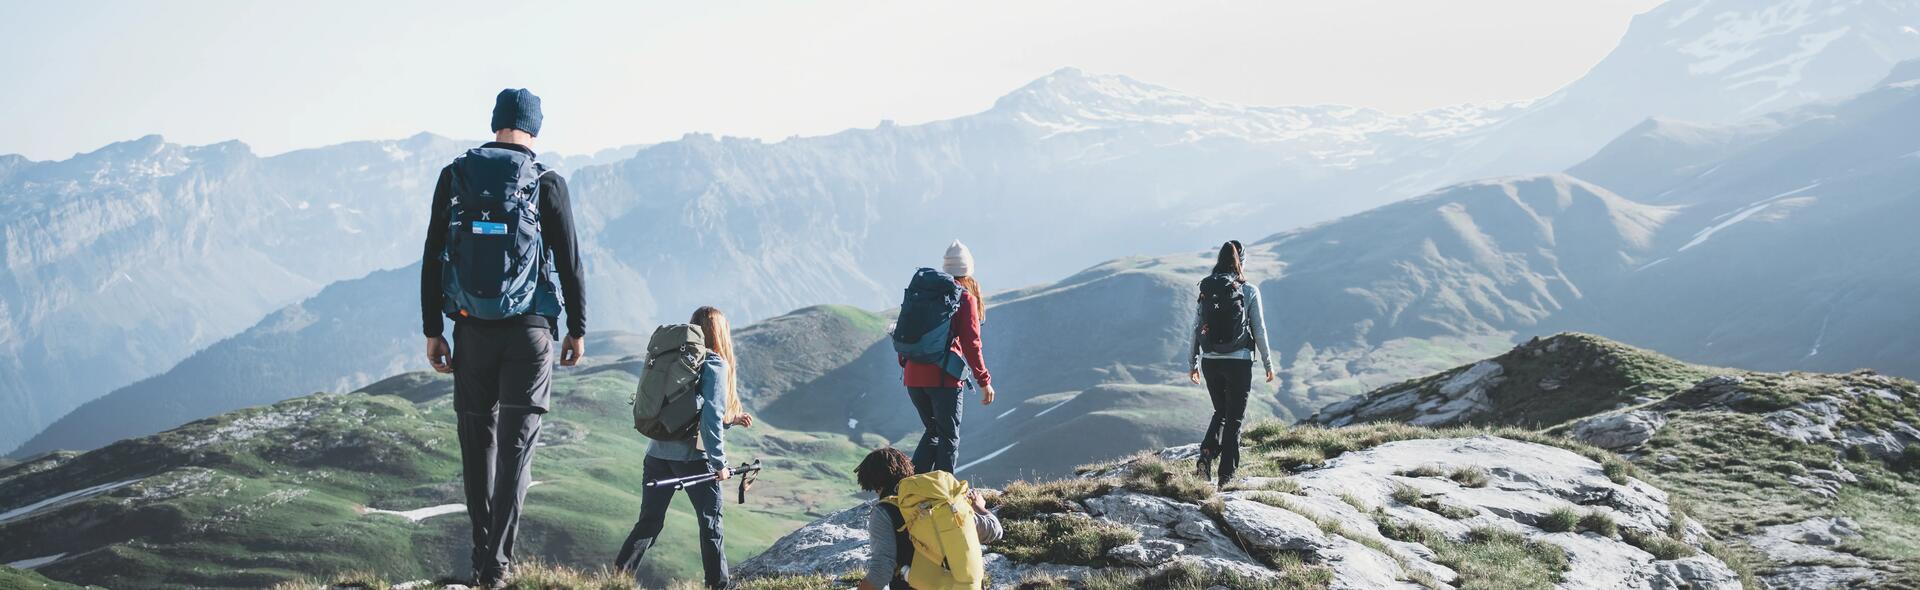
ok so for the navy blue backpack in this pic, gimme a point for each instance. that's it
(924, 332)
(496, 265)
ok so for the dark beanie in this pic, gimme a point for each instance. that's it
(517, 108)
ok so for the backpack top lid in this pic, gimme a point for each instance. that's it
(932, 281)
(673, 338)
(484, 172)
(933, 486)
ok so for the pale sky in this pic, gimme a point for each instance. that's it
(289, 75)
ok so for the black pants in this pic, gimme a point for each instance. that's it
(1228, 381)
(501, 377)
(706, 498)
(939, 409)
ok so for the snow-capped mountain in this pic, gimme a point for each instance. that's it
(1716, 61)
(122, 261)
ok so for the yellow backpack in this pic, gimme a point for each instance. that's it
(939, 522)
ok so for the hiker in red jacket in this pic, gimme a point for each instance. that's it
(936, 392)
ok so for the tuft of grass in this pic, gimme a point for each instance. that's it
(1424, 471)
(1284, 485)
(535, 575)
(1025, 499)
(1662, 547)
(1406, 494)
(1412, 496)
(1150, 474)
(1487, 558)
(1617, 470)
(1182, 575)
(1071, 538)
(1599, 523)
(1560, 520)
(1472, 476)
(807, 582)
(1355, 502)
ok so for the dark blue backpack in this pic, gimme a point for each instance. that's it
(924, 332)
(496, 265)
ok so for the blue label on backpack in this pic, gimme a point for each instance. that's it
(489, 229)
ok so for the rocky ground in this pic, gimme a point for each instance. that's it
(1808, 475)
(1447, 512)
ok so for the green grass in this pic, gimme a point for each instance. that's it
(1026, 499)
(1072, 538)
(1660, 545)
(1471, 476)
(263, 510)
(1412, 496)
(1186, 576)
(1560, 520)
(1599, 523)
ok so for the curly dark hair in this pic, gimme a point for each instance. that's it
(882, 469)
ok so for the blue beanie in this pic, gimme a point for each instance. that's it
(517, 108)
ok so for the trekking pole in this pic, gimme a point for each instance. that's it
(748, 473)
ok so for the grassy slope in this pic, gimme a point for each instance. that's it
(287, 501)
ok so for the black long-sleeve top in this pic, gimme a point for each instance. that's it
(556, 229)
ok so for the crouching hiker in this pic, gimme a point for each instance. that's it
(911, 527)
(686, 400)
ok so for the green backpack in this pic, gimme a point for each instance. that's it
(666, 405)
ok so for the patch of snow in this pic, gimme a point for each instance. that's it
(1651, 264)
(1741, 215)
(853, 423)
(73, 496)
(984, 459)
(419, 514)
(302, 206)
(1705, 234)
(1821, 336)
(1056, 406)
(27, 564)
(1004, 414)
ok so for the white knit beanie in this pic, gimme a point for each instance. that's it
(959, 261)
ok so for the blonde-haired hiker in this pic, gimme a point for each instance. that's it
(701, 453)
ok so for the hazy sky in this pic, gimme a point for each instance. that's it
(284, 75)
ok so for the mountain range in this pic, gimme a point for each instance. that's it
(127, 260)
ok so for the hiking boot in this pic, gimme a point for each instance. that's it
(1204, 466)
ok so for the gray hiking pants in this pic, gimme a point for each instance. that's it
(501, 377)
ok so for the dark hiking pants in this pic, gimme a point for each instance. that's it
(1228, 381)
(654, 501)
(939, 409)
(501, 376)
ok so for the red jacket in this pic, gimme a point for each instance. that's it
(966, 343)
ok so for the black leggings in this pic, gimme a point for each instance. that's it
(1228, 381)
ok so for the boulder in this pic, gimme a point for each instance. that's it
(1619, 430)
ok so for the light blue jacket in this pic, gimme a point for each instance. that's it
(1255, 317)
(709, 444)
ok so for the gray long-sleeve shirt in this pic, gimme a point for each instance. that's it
(883, 558)
(708, 444)
(1255, 318)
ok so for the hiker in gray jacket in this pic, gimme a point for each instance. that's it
(1228, 327)
(888, 546)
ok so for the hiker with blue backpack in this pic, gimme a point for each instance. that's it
(687, 397)
(1228, 327)
(938, 340)
(501, 261)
